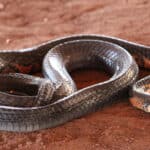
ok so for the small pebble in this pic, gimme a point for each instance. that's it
(45, 19)
(8, 41)
(2, 6)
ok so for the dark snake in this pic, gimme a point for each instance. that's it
(30, 103)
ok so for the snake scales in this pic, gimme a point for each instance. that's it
(47, 102)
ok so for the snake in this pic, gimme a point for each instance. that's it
(29, 103)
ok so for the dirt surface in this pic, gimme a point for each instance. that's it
(119, 127)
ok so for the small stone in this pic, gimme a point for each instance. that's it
(45, 19)
(2, 6)
(8, 41)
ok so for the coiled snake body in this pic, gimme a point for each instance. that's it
(47, 102)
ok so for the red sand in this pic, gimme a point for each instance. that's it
(119, 127)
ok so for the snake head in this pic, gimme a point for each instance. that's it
(45, 92)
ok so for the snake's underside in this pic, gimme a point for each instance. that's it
(29, 103)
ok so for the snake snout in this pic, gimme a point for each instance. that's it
(45, 93)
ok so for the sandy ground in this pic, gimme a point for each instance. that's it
(119, 127)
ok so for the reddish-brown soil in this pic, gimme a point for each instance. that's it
(24, 23)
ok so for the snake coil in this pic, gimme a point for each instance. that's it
(48, 102)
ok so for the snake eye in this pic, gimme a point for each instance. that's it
(24, 90)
